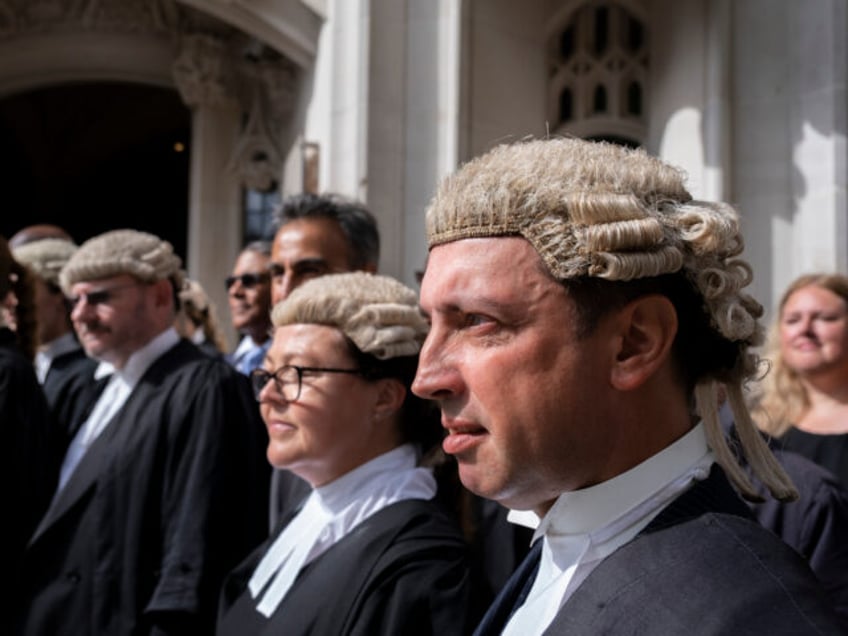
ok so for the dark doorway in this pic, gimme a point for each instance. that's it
(96, 157)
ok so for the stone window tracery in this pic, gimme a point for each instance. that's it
(598, 72)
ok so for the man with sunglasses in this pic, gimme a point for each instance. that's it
(249, 297)
(163, 487)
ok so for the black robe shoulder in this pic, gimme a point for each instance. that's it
(164, 503)
(27, 471)
(402, 571)
(701, 567)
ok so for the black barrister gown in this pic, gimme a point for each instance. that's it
(168, 498)
(27, 475)
(702, 567)
(70, 388)
(403, 570)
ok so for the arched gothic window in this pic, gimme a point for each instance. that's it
(598, 63)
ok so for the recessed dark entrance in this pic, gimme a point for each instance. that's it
(96, 157)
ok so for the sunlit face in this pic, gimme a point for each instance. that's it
(814, 331)
(332, 427)
(250, 304)
(114, 317)
(521, 396)
(305, 249)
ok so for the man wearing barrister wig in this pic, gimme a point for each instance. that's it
(584, 310)
(163, 487)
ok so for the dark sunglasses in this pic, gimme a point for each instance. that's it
(247, 280)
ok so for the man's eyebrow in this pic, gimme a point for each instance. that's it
(480, 305)
(315, 261)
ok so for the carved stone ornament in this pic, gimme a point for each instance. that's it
(22, 17)
(257, 159)
(215, 65)
(203, 71)
(258, 156)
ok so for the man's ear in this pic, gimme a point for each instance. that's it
(647, 327)
(163, 293)
(390, 397)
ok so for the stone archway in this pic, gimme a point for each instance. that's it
(238, 90)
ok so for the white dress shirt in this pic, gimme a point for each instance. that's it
(583, 527)
(331, 512)
(118, 389)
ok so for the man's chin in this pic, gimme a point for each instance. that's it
(471, 477)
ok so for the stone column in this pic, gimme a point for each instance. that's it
(206, 82)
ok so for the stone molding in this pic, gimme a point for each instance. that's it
(214, 65)
(22, 17)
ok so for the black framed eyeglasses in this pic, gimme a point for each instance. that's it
(247, 280)
(288, 380)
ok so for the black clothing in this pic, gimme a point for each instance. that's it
(28, 473)
(169, 497)
(71, 390)
(816, 525)
(829, 451)
(403, 571)
(701, 567)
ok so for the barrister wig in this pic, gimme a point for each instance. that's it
(46, 257)
(378, 314)
(144, 256)
(620, 223)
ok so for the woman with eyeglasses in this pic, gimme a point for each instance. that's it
(371, 550)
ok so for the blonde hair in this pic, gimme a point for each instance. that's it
(597, 210)
(198, 309)
(782, 398)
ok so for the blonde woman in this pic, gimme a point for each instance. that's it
(804, 401)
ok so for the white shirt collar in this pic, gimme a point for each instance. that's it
(582, 510)
(585, 510)
(584, 527)
(364, 482)
(144, 357)
(331, 512)
(138, 363)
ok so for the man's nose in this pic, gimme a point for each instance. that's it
(436, 378)
(80, 308)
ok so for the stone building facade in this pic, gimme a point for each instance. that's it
(377, 99)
